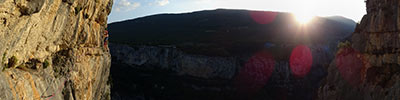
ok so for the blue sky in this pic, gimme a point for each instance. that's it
(130, 9)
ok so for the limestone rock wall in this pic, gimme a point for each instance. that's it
(377, 39)
(53, 49)
(171, 59)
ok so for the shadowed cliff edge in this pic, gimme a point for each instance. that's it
(368, 67)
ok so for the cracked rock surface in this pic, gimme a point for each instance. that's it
(54, 49)
(377, 41)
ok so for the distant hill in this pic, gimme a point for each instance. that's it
(231, 30)
(342, 20)
(346, 21)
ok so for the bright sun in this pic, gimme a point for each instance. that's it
(303, 18)
(304, 11)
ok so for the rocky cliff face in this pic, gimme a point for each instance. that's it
(164, 72)
(53, 49)
(372, 69)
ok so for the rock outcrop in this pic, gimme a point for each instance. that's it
(53, 49)
(373, 66)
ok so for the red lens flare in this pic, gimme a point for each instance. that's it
(300, 61)
(263, 17)
(255, 73)
(351, 65)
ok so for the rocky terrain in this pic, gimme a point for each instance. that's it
(373, 59)
(53, 50)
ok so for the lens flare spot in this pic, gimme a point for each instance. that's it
(255, 73)
(351, 65)
(300, 61)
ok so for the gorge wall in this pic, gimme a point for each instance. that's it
(166, 72)
(53, 49)
(371, 71)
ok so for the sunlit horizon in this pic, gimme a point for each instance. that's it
(131, 9)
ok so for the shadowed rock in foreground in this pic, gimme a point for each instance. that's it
(368, 68)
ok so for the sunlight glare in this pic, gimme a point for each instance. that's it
(303, 18)
(304, 13)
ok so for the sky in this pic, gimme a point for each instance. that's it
(130, 9)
